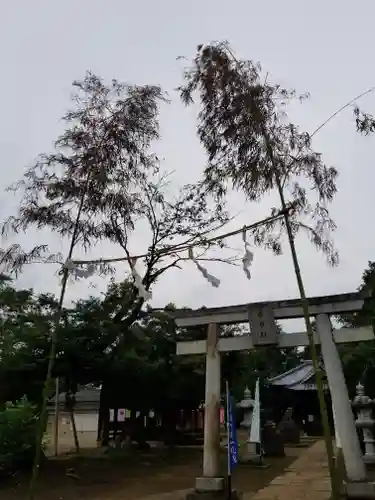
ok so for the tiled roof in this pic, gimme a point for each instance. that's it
(301, 377)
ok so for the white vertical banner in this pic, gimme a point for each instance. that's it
(255, 421)
(337, 437)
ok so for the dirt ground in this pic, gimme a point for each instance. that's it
(134, 475)
(87, 440)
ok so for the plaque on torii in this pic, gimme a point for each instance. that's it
(263, 329)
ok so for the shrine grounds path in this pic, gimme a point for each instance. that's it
(167, 475)
(306, 478)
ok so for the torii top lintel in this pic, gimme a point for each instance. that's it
(282, 309)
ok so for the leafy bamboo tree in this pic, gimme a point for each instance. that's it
(365, 122)
(252, 146)
(102, 182)
(13, 258)
(105, 144)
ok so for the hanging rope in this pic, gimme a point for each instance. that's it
(180, 247)
(75, 266)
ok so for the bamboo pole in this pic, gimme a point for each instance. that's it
(56, 419)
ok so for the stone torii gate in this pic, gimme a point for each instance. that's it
(261, 318)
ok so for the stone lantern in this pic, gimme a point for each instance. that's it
(247, 405)
(365, 422)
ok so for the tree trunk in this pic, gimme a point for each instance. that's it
(103, 424)
(74, 429)
(169, 425)
(56, 419)
(100, 422)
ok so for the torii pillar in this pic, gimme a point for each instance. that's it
(211, 480)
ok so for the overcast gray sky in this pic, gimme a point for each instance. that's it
(325, 48)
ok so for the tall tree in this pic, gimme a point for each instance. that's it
(105, 146)
(359, 359)
(103, 169)
(26, 321)
(366, 316)
(252, 146)
(102, 182)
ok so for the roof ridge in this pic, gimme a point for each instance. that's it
(292, 370)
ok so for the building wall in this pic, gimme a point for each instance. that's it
(86, 423)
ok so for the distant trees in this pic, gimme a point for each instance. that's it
(359, 359)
